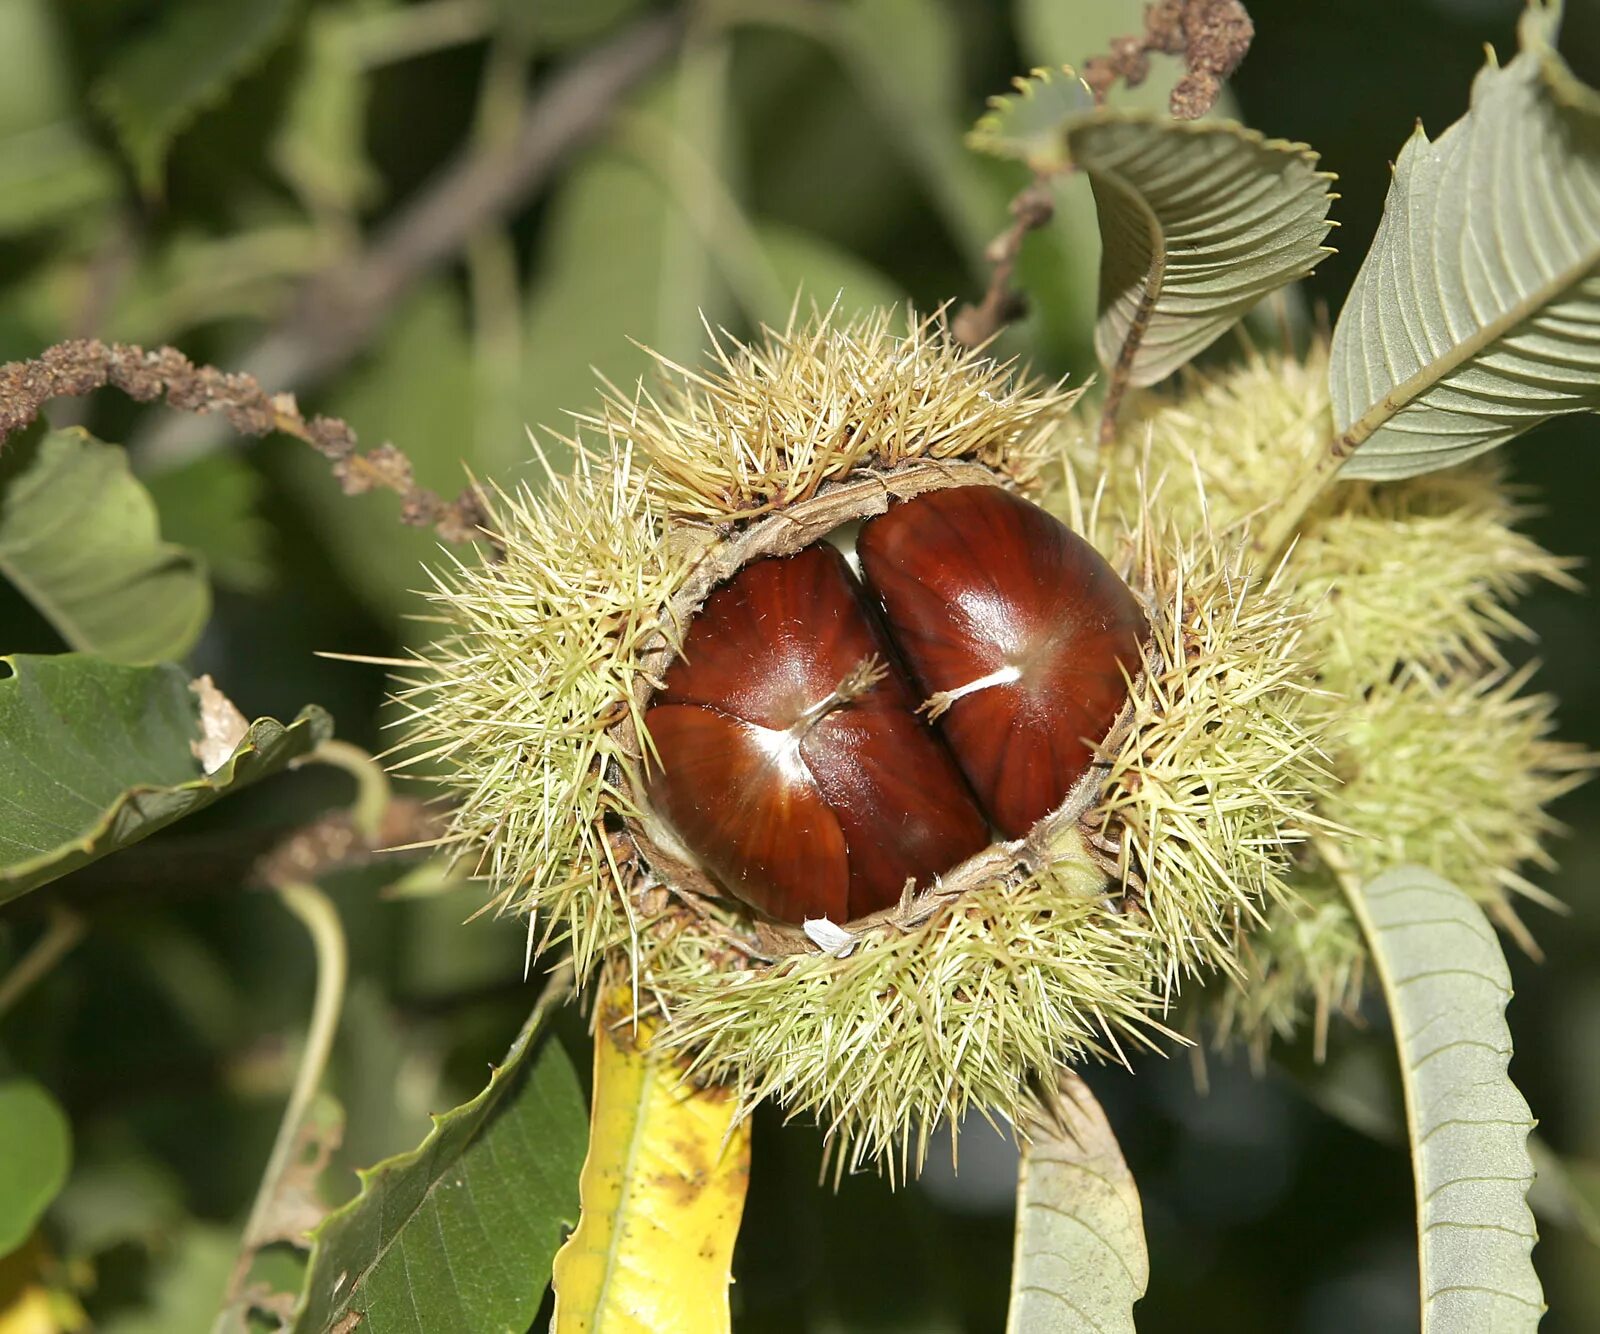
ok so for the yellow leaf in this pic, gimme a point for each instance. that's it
(29, 1304)
(662, 1191)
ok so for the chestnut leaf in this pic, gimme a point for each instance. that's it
(1080, 1261)
(80, 539)
(1445, 979)
(1198, 219)
(1476, 314)
(459, 1232)
(99, 755)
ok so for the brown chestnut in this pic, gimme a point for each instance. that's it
(796, 758)
(792, 761)
(1019, 632)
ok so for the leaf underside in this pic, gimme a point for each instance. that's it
(80, 539)
(1080, 1261)
(1476, 315)
(1198, 221)
(97, 756)
(1027, 124)
(1446, 983)
(459, 1233)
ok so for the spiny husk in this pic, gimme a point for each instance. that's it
(1422, 571)
(519, 703)
(772, 422)
(1308, 961)
(951, 1016)
(1454, 773)
(515, 704)
(1052, 948)
(1405, 589)
(1203, 799)
(1211, 452)
(1222, 769)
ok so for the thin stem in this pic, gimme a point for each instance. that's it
(1279, 530)
(317, 913)
(66, 929)
(373, 793)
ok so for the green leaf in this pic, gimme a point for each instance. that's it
(1476, 314)
(97, 756)
(321, 146)
(209, 505)
(79, 538)
(33, 1166)
(460, 1232)
(1446, 984)
(1028, 125)
(1080, 1261)
(162, 79)
(1198, 221)
(48, 166)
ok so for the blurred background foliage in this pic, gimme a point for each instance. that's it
(238, 179)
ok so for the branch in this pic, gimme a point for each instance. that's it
(337, 309)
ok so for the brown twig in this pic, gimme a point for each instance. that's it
(975, 325)
(1212, 36)
(82, 365)
(337, 309)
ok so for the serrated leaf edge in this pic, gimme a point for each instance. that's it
(500, 1075)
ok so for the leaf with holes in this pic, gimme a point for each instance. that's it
(79, 538)
(1080, 1261)
(1476, 314)
(459, 1233)
(98, 755)
(1446, 983)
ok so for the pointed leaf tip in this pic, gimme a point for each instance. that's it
(1476, 314)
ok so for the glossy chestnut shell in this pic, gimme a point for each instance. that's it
(796, 756)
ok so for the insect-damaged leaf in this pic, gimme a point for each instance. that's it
(99, 755)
